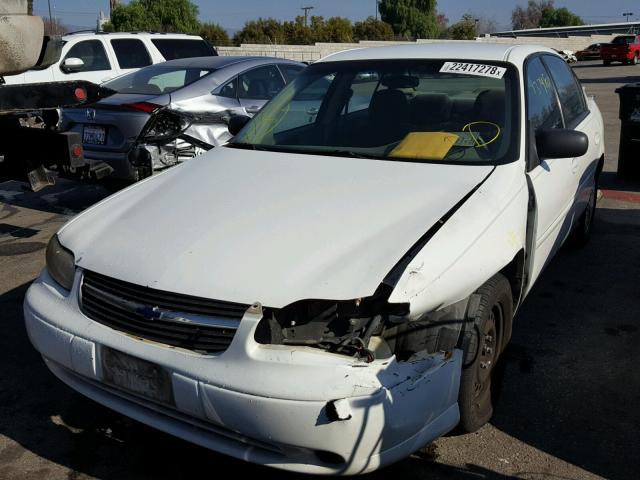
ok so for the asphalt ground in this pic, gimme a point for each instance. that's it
(568, 407)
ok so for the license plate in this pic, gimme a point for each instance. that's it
(136, 376)
(94, 135)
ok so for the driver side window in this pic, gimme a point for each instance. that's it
(543, 111)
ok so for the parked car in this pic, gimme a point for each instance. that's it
(624, 48)
(592, 52)
(329, 293)
(99, 57)
(166, 113)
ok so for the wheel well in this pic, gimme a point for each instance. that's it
(514, 273)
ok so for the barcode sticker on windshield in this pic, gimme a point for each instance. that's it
(477, 69)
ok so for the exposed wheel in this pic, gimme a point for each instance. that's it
(484, 343)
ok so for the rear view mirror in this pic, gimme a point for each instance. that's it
(72, 64)
(236, 122)
(561, 143)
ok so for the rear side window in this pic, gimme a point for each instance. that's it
(261, 83)
(574, 107)
(177, 48)
(623, 40)
(230, 90)
(131, 53)
(92, 53)
(543, 111)
(289, 72)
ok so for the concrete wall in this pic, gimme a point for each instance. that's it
(319, 50)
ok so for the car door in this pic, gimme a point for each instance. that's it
(577, 116)
(554, 181)
(97, 67)
(130, 53)
(257, 86)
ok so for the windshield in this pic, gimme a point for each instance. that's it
(411, 110)
(157, 79)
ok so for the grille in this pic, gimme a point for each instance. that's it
(193, 323)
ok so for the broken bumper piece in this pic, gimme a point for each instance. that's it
(293, 408)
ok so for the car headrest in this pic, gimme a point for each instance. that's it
(389, 106)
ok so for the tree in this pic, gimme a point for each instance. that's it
(155, 15)
(263, 30)
(297, 33)
(530, 17)
(410, 18)
(465, 29)
(372, 29)
(559, 17)
(214, 34)
(335, 29)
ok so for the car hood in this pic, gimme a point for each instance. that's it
(251, 226)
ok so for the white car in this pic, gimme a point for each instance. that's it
(330, 292)
(99, 57)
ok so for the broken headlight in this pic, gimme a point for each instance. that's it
(60, 263)
(343, 326)
(165, 125)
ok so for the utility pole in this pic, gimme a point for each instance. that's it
(376, 9)
(627, 15)
(50, 17)
(306, 14)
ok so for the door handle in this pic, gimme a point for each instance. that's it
(252, 109)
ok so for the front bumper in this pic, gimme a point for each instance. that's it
(263, 404)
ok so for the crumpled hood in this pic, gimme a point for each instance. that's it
(249, 226)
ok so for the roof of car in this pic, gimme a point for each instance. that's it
(219, 62)
(441, 50)
(93, 33)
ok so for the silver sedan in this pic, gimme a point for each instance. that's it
(166, 113)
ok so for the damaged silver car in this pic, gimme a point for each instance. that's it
(166, 113)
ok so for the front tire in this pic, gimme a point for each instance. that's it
(484, 344)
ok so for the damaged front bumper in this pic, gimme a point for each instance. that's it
(294, 408)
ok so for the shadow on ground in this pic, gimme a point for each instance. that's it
(571, 382)
(571, 386)
(66, 197)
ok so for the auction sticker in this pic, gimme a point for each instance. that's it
(477, 69)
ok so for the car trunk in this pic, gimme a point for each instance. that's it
(114, 123)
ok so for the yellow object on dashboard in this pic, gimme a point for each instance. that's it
(425, 145)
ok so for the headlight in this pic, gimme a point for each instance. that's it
(60, 263)
(343, 326)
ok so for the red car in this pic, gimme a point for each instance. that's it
(592, 52)
(625, 49)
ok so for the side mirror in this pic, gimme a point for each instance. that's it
(72, 64)
(561, 143)
(236, 122)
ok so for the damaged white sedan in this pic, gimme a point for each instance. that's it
(331, 290)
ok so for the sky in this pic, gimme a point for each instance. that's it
(233, 14)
